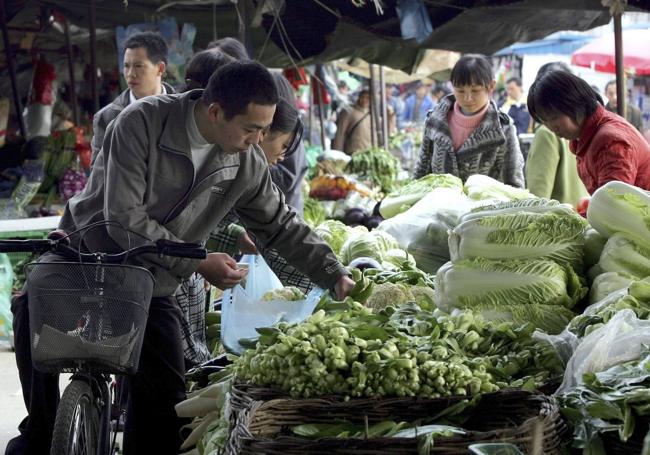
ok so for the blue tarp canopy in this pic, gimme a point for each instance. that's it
(556, 43)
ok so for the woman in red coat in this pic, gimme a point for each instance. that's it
(606, 146)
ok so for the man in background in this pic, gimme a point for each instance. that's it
(145, 62)
(418, 104)
(515, 105)
(632, 113)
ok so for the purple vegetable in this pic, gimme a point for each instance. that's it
(373, 221)
(354, 216)
(363, 263)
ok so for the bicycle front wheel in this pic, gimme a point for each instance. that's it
(76, 429)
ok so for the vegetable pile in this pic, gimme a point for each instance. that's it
(377, 165)
(609, 401)
(396, 352)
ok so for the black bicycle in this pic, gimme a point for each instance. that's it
(88, 313)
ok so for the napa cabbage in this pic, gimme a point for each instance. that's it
(404, 198)
(607, 283)
(469, 283)
(482, 187)
(623, 254)
(523, 235)
(552, 319)
(620, 207)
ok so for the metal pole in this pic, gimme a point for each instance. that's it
(12, 71)
(93, 57)
(373, 125)
(620, 73)
(384, 113)
(319, 73)
(244, 29)
(73, 85)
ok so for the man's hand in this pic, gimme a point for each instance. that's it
(220, 270)
(246, 245)
(343, 287)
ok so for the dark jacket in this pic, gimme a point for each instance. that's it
(108, 113)
(632, 115)
(288, 175)
(144, 178)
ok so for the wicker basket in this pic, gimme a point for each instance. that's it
(521, 418)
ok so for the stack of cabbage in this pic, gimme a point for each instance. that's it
(619, 246)
(420, 213)
(621, 213)
(517, 261)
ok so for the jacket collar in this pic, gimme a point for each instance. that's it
(589, 128)
(440, 114)
(174, 136)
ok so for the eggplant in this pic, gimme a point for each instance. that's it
(355, 216)
(373, 221)
(364, 263)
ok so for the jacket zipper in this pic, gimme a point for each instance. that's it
(193, 185)
(189, 190)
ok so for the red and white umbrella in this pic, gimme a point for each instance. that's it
(599, 54)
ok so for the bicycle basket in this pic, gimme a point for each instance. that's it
(87, 315)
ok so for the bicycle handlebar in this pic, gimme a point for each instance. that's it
(162, 247)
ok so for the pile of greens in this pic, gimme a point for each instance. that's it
(347, 349)
(377, 165)
(609, 401)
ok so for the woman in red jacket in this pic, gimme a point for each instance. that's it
(606, 146)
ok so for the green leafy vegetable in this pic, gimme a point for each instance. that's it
(520, 236)
(620, 207)
(483, 187)
(473, 282)
(622, 254)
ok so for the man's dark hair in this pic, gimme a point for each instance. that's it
(439, 88)
(516, 80)
(472, 69)
(552, 66)
(230, 46)
(562, 92)
(152, 42)
(235, 85)
(203, 65)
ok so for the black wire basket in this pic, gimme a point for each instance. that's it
(87, 316)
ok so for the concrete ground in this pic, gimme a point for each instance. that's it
(11, 397)
(12, 407)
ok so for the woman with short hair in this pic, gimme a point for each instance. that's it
(466, 134)
(606, 146)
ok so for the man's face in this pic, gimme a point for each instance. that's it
(142, 75)
(237, 134)
(513, 90)
(421, 91)
(610, 93)
(364, 100)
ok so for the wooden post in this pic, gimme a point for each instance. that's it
(73, 85)
(12, 71)
(621, 95)
(319, 73)
(93, 57)
(384, 113)
(373, 102)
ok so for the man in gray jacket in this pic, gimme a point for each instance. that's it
(171, 167)
(145, 62)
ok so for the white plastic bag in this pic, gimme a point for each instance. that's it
(618, 341)
(243, 311)
(422, 229)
